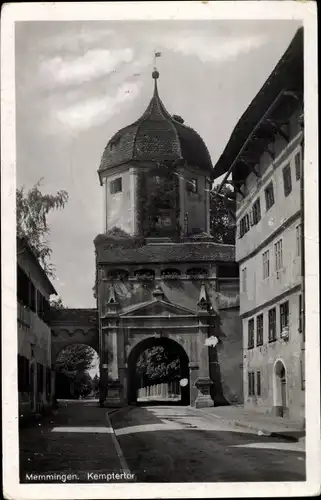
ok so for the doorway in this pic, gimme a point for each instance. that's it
(280, 389)
(148, 379)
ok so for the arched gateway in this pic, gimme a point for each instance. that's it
(159, 273)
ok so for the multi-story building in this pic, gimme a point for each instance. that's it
(162, 279)
(264, 159)
(35, 374)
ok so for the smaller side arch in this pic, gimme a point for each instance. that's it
(280, 389)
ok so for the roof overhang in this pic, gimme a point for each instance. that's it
(270, 109)
(23, 246)
(262, 134)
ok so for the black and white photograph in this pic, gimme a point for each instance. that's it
(160, 250)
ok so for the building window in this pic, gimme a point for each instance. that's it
(244, 225)
(284, 315)
(191, 185)
(116, 186)
(258, 383)
(297, 162)
(256, 211)
(269, 196)
(287, 182)
(278, 255)
(32, 296)
(243, 280)
(266, 264)
(300, 314)
(272, 324)
(298, 240)
(259, 330)
(251, 333)
(251, 387)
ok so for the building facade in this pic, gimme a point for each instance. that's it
(161, 279)
(35, 374)
(264, 159)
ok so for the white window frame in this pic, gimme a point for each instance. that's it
(266, 264)
(298, 234)
(278, 253)
(244, 280)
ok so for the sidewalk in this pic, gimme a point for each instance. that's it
(263, 424)
(76, 439)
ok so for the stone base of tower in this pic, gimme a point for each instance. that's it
(204, 399)
(114, 396)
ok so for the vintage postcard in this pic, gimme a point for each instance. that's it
(160, 250)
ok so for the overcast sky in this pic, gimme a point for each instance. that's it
(78, 83)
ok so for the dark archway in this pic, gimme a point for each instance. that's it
(76, 373)
(168, 344)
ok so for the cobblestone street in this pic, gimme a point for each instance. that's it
(158, 443)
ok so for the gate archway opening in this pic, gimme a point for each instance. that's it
(280, 388)
(148, 379)
(77, 372)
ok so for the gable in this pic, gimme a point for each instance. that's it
(157, 308)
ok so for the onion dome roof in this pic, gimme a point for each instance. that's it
(156, 136)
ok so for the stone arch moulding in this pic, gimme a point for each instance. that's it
(57, 347)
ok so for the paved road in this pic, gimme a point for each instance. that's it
(77, 440)
(155, 443)
(179, 444)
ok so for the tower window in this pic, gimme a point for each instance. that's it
(116, 186)
(145, 274)
(118, 274)
(170, 273)
(196, 273)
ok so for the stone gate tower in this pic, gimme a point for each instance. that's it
(160, 277)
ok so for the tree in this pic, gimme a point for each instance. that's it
(95, 384)
(75, 358)
(57, 303)
(156, 365)
(82, 384)
(33, 208)
(222, 214)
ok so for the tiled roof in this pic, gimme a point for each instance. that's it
(166, 252)
(156, 136)
(23, 246)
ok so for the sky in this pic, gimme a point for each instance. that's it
(78, 83)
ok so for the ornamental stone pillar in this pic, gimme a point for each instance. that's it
(204, 382)
(111, 388)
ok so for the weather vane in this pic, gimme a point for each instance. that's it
(156, 54)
